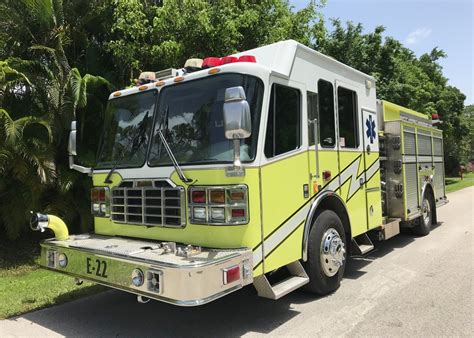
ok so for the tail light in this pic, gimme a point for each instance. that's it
(100, 201)
(218, 205)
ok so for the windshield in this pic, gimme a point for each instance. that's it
(128, 122)
(191, 119)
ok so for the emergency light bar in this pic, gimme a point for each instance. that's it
(213, 61)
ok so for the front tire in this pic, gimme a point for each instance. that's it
(326, 254)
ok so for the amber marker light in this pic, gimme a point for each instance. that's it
(117, 94)
(160, 83)
(213, 71)
(142, 87)
(178, 79)
(236, 195)
(217, 196)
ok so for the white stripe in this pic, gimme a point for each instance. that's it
(372, 170)
(409, 158)
(278, 236)
(424, 158)
(438, 159)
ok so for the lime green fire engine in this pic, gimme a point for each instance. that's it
(212, 177)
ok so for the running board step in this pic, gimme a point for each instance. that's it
(297, 279)
(361, 245)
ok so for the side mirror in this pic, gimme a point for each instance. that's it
(237, 124)
(72, 150)
(72, 144)
(237, 121)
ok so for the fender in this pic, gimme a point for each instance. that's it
(427, 183)
(309, 218)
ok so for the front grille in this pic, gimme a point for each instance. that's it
(148, 203)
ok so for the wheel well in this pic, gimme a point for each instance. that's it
(333, 203)
(430, 194)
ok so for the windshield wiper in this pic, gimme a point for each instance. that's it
(170, 152)
(107, 179)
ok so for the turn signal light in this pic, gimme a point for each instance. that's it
(217, 196)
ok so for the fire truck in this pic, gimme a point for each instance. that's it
(267, 167)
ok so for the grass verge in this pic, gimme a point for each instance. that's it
(25, 287)
(455, 183)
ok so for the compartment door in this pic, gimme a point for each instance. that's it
(372, 168)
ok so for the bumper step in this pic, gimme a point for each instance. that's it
(362, 245)
(297, 279)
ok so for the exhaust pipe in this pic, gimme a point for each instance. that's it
(39, 222)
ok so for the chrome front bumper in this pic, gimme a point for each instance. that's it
(173, 273)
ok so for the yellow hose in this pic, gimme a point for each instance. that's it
(59, 228)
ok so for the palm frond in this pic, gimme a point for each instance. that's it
(42, 11)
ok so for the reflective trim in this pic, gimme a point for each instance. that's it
(424, 158)
(305, 213)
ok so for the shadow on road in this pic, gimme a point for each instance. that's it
(115, 313)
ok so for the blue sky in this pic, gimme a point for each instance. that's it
(420, 25)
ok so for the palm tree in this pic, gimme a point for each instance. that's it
(41, 93)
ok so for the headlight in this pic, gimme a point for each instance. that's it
(62, 260)
(199, 213)
(226, 205)
(137, 277)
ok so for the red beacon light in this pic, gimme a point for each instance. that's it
(229, 59)
(247, 58)
(211, 61)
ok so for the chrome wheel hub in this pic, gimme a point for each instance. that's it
(426, 210)
(332, 252)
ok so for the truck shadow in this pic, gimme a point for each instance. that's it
(114, 313)
(356, 264)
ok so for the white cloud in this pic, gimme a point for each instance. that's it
(417, 35)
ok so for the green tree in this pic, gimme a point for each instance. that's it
(147, 36)
(417, 83)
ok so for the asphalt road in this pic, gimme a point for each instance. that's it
(408, 286)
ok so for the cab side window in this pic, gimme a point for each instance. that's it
(312, 100)
(284, 116)
(327, 129)
(347, 109)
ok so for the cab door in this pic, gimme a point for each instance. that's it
(284, 174)
(351, 157)
(323, 157)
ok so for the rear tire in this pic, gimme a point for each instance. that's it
(326, 254)
(425, 221)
